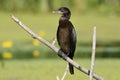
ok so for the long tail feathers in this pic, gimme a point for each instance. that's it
(71, 69)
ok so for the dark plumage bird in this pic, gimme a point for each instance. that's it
(66, 34)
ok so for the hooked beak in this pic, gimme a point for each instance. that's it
(57, 11)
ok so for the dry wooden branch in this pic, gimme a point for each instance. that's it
(57, 78)
(93, 53)
(53, 43)
(55, 49)
(65, 73)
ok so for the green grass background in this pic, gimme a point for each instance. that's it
(108, 39)
(108, 31)
(107, 26)
(48, 69)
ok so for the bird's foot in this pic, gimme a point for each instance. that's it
(60, 53)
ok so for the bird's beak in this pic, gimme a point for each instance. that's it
(57, 11)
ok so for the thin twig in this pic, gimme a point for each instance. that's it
(55, 49)
(54, 40)
(93, 54)
(57, 78)
(65, 73)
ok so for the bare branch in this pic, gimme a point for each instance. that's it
(65, 73)
(57, 78)
(53, 43)
(93, 53)
(55, 49)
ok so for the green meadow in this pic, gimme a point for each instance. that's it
(108, 31)
(107, 26)
(48, 69)
(23, 58)
(45, 25)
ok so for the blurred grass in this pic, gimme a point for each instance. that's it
(108, 40)
(107, 26)
(48, 69)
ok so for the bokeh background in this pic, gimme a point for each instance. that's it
(19, 51)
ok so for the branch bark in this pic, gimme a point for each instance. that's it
(93, 54)
(55, 49)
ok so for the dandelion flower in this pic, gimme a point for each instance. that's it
(42, 33)
(7, 55)
(36, 42)
(7, 44)
(36, 53)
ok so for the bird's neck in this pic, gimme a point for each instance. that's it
(64, 18)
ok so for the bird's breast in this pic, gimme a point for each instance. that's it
(63, 39)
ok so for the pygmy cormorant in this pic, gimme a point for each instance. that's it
(66, 35)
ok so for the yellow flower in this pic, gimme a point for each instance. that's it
(36, 53)
(36, 42)
(7, 44)
(7, 55)
(42, 33)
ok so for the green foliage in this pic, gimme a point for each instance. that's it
(100, 6)
(32, 5)
(17, 5)
(94, 3)
(104, 6)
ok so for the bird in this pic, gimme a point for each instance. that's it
(66, 34)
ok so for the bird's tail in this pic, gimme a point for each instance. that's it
(71, 69)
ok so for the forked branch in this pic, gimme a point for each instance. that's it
(55, 49)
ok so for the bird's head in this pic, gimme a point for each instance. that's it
(64, 11)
